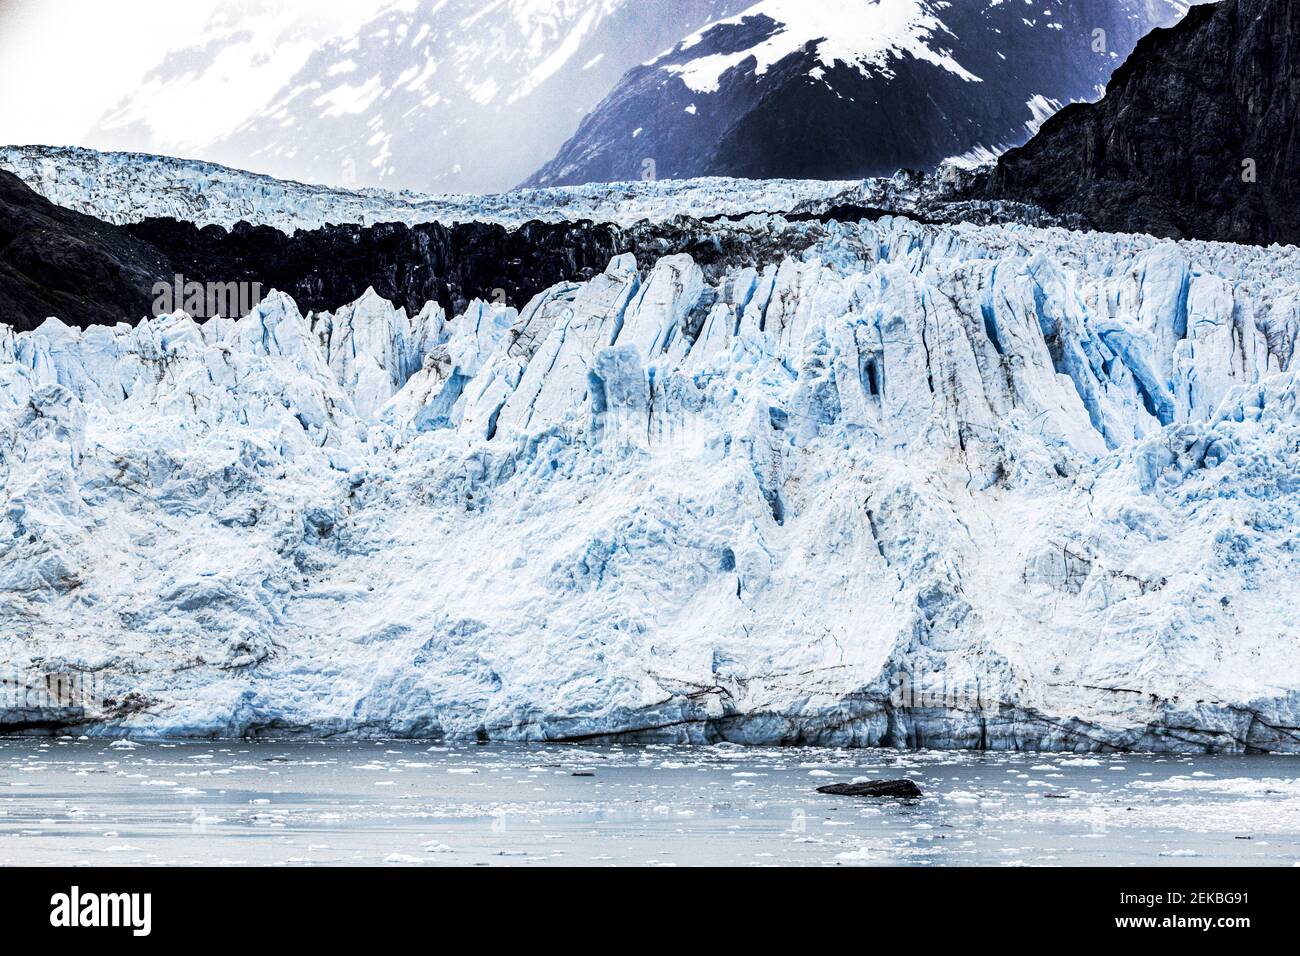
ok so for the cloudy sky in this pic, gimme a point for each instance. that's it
(65, 64)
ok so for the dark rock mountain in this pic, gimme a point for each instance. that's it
(1198, 135)
(54, 261)
(408, 265)
(846, 89)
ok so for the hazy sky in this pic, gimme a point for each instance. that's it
(64, 63)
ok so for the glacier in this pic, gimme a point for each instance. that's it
(965, 486)
(124, 188)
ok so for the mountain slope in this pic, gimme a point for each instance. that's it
(828, 89)
(60, 263)
(54, 261)
(434, 95)
(1170, 149)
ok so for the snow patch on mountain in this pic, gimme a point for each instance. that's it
(1041, 109)
(936, 486)
(865, 38)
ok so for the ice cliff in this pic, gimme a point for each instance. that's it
(960, 486)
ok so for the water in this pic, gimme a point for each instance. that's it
(298, 803)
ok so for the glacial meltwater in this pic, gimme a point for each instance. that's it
(65, 801)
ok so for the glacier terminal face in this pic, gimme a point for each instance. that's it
(949, 486)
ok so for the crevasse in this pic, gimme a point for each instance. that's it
(946, 486)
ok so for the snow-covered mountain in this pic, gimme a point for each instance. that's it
(842, 89)
(953, 486)
(436, 95)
